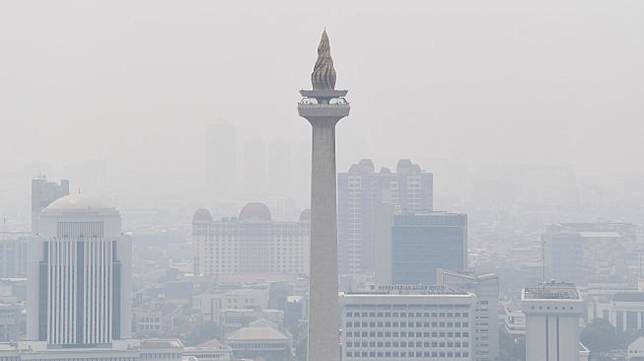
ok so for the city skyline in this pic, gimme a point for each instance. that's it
(166, 195)
(472, 139)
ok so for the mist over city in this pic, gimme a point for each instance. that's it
(337, 181)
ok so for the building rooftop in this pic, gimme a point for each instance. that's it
(255, 212)
(77, 202)
(551, 291)
(258, 333)
(628, 297)
(410, 290)
(202, 215)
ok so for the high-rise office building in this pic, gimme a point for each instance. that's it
(79, 275)
(221, 160)
(553, 311)
(403, 323)
(421, 243)
(42, 194)
(590, 252)
(250, 244)
(361, 191)
(486, 321)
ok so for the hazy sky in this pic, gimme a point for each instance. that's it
(133, 83)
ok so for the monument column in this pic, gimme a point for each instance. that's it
(323, 107)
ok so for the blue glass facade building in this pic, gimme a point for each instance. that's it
(423, 242)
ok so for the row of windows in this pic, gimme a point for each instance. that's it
(407, 334)
(418, 344)
(358, 324)
(418, 354)
(410, 314)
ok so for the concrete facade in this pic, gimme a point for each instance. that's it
(553, 311)
(486, 324)
(323, 107)
(252, 243)
(406, 322)
(79, 275)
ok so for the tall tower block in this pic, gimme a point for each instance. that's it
(323, 107)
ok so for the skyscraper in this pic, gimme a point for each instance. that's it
(553, 311)
(221, 160)
(323, 107)
(42, 194)
(361, 191)
(79, 275)
(421, 243)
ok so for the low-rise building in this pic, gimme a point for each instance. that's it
(403, 322)
(260, 340)
(118, 350)
(212, 350)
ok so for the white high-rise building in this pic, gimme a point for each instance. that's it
(408, 322)
(553, 311)
(362, 193)
(79, 275)
(486, 324)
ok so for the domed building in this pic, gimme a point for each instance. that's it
(80, 275)
(252, 243)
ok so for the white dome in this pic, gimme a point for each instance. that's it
(77, 202)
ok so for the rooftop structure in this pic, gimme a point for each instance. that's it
(552, 291)
(425, 323)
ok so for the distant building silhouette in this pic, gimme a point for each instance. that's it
(360, 192)
(42, 194)
(255, 172)
(14, 251)
(221, 161)
(590, 252)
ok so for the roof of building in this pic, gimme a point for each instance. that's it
(552, 291)
(628, 297)
(202, 215)
(160, 343)
(77, 202)
(255, 212)
(214, 343)
(410, 290)
(258, 333)
(600, 234)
